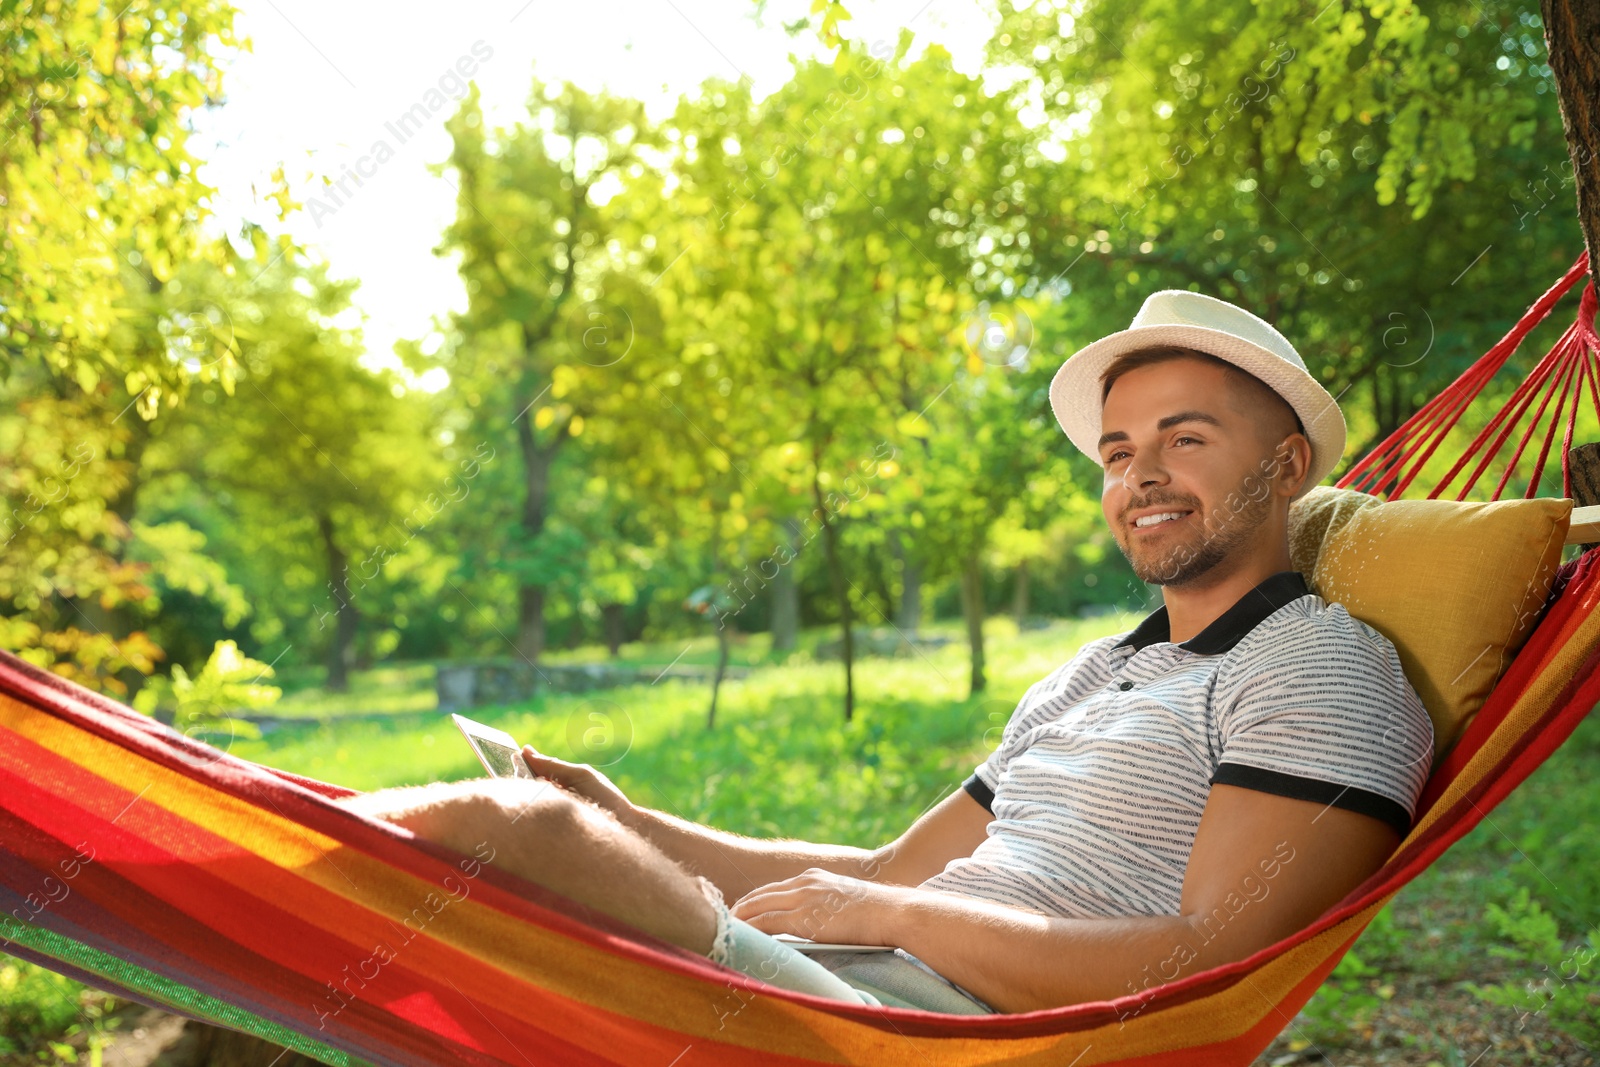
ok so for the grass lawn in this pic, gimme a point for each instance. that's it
(781, 759)
(782, 762)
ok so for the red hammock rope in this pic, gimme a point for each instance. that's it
(1400, 457)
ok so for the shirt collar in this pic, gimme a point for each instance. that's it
(1226, 629)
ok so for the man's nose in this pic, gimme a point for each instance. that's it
(1142, 472)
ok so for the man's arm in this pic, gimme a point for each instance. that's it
(1262, 867)
(738, 865)
(733, 863)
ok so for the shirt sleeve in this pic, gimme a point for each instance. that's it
(1044, 700)
(1325, 713)
(982, 782)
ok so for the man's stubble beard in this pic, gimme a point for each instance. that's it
(1181, 564)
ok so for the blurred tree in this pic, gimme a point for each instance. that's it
(94, 125)
(852, 206)
(316, 462)
(529, 355)
(1353, 172)
(98, 204)
(989, 452)
(694, 419)
(61, 559)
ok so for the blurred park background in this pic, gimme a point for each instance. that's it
(670, 389)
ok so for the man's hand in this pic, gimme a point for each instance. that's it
(824, 906)
(581, 780)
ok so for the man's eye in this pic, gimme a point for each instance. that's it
(1113, 457)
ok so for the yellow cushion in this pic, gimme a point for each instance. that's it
(1455, 585)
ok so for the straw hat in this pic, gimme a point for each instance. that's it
(1205, 324)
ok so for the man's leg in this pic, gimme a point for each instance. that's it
(566, 844)
(560, 841)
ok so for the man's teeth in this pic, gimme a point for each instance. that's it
(1151, 520)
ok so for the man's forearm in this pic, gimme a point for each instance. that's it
(737, 864)
(1018, 961)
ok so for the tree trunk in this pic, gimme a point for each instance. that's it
(123, 619)
(530, 622)
(365, 654)
(1019, 598)
(972, 611)
(346, 619)
(830, 542)
(536, 462)
(724, 643)
(908, 613)
(1584, 462)
(1385, 409)
(613, 626)
(1572, 37)
(786, 595)
(724, 629)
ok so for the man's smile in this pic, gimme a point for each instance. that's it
(1149, 521)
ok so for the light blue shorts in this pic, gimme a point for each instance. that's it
(882, 979)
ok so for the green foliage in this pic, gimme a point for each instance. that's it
(38, 1008)
(229, 682)
(1303, 164)
(1566, 989)
(33, 1002)
(95, 125)
(99, 207)
(61, 577)
(310, 483)
(1351, 996)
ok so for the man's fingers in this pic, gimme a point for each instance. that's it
(545, 766)
(756, 900)
(769, 898)
(778, 921)
(770, 887)
(800, 883)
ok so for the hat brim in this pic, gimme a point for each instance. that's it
(1075, 390)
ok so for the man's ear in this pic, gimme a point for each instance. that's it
(1290, 463)
(1299, 464)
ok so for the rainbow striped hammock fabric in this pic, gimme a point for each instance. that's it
(159, 868)
(154, 866)
(164, 870)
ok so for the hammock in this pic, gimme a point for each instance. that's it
(165, 871)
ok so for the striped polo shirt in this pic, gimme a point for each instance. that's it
(1103, 769)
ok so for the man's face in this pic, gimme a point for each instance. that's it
(1173, 443)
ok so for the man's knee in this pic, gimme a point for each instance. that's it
(463, 814)
(539, 815)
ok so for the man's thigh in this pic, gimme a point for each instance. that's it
(548, 836)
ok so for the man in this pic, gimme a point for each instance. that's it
(1173, 798)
